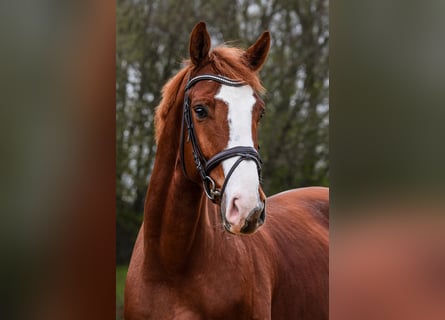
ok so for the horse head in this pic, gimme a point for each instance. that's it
(219, 144)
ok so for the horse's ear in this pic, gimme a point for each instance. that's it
(199, 44)
(257, 53)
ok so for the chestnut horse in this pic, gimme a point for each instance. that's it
(201, 252)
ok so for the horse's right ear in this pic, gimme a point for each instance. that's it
(199, 44)
(257, 53)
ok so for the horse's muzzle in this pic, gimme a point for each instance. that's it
(255, 219)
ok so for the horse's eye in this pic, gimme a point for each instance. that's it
(200, 111)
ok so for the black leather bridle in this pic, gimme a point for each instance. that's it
(203, 165)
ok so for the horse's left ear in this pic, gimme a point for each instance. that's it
(257, 53)
(199, 44)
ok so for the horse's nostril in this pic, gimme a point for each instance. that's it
(254, 215)
(254, 220)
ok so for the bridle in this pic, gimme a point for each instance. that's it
(203, 165)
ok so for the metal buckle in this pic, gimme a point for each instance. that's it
(210, 188)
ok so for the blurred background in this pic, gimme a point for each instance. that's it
(152, 41)
(387, 99)
(71, 87)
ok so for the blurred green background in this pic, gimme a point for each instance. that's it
(58, 116)
(152, 41)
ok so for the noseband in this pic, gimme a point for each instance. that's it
(203, 165)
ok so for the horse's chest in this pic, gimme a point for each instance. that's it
(227, 297)
(201, 296)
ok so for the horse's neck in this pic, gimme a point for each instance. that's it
(172, 215)
(175, 211)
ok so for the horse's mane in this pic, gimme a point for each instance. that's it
(226, 61)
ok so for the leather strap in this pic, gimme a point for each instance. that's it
(203, 165)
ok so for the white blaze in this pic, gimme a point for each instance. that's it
(242, 187)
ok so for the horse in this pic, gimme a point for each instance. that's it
(205, 249)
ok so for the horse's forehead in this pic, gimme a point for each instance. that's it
(226, 93)
(207, 87)
(240, 102)
(243, 95)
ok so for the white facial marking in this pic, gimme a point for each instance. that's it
(242, 188)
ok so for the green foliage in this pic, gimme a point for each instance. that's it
(152, 40)
(128, 223)
(121, 273)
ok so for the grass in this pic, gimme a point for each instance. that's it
(121, 273)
